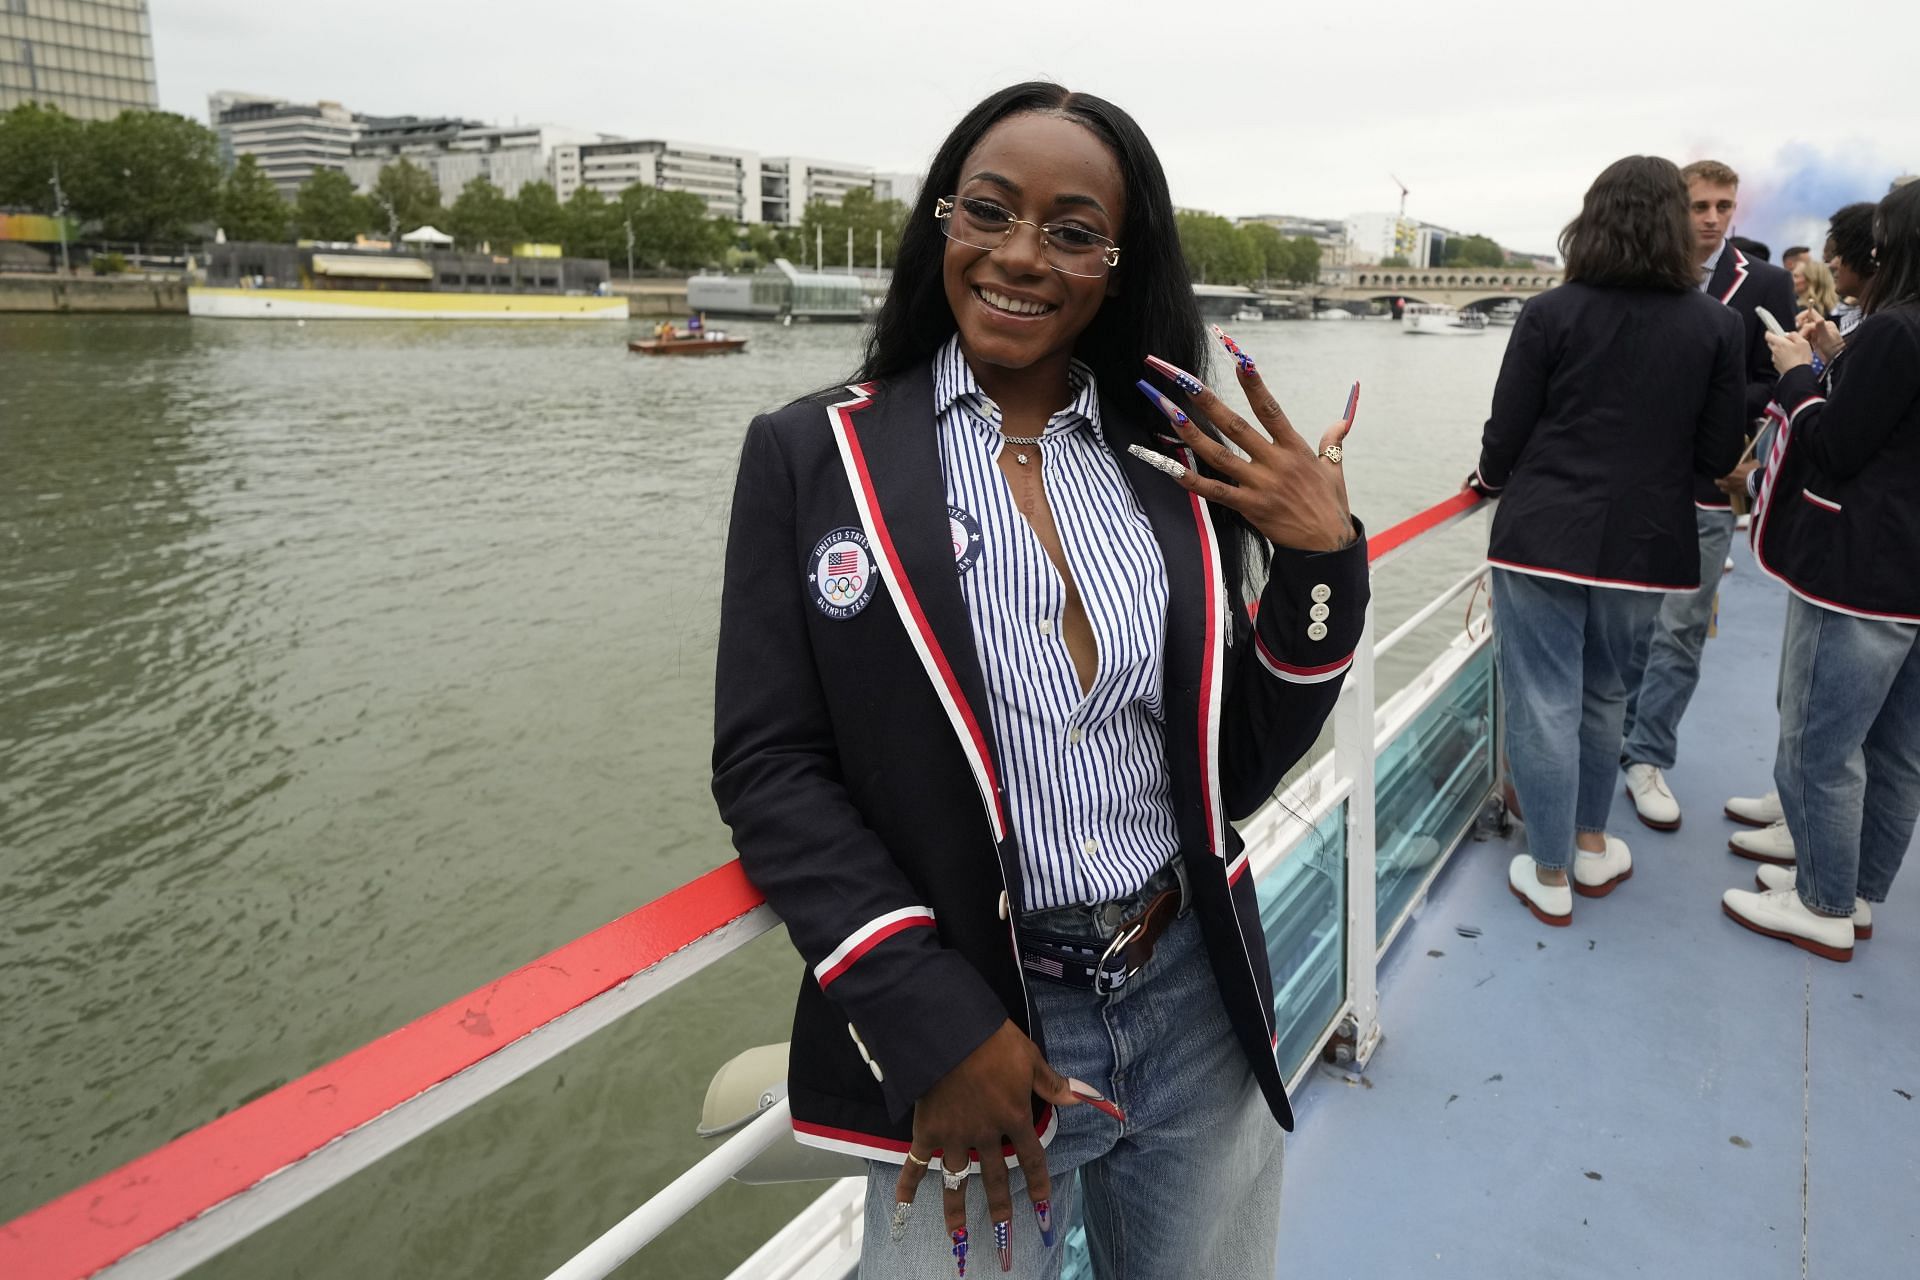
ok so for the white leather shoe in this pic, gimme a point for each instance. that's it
(1651, 799)
(1756, 811)
(1550, 903)
(1780, 914)
(1784, 877)
(1595, 875)
(1769, 844)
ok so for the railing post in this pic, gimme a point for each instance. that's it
(1353, 758)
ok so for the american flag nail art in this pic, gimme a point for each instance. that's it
(1176, 375)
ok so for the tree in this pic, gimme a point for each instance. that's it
(407, 195)
(672, 228)
(148, 176)
(593, 227)
(33, 139)
(482, 215)
(540, 217)
(1215, 251)
(1395, 260)
(1271, 247)
(1472, 251)
(860, 213)
(328, 209)
(1302, 260)
(250, 205)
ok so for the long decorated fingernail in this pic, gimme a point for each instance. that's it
(897, 1229)
(1176, 375)
(1158, 461)
(1166, 406)
(960, 1249)
(1233, 349)
(1003, 1244)
(1043, 1218)
(1090, 1095)
(1353, 402)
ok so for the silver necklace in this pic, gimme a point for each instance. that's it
(1030, 442)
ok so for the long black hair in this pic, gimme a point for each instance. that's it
(1632, 229)
(1896, 236)
(1153, 312)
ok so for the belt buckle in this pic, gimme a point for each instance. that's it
(1106, 981)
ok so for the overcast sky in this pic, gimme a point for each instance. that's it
(1497, 115)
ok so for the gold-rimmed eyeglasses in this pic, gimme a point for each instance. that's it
(1068, 248)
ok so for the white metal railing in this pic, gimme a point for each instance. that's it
(831, 1227)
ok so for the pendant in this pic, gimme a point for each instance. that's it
(1020, 458)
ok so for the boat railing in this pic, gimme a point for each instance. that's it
(1342, 857)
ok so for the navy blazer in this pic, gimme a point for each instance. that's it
(855, 761)
(1746, 285)
(1611, 402)
(1837, 520)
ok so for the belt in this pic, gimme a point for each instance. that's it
(1104, 966)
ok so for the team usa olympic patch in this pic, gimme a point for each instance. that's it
(842, 578)
(965, 532)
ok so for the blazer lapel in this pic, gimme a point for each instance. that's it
(890, 449)
(1729, 275)
(1195, 655)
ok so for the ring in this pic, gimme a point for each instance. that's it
(1332, 453)
(954, 1181)
(916, 1159)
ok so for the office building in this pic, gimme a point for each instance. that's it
(290, 141)
(788, 184)
(1372, 238)
(904, 187)
(728, 180)
(455, 151)
(91, 59)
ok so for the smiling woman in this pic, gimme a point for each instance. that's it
(994, 810)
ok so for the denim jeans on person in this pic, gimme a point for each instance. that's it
(1190, 1186)
(1666, 662)
(1848, 762)
(1562, 650)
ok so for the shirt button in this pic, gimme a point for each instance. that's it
(1321, 593)
(1090, 846)
(1076, 735)
(1318, 613)
(1046, 626)
(1318, 631)
(1004, 912)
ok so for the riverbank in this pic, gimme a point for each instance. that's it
(167, 295)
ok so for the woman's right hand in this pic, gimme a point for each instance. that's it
(974, 1108)
(1822, 334)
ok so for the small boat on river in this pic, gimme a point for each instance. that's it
(689, 344)
(1421, 317)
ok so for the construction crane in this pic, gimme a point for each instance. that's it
(1403, 194)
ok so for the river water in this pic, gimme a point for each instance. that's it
(345, 667)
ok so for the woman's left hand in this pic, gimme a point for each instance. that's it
(1285, 488)
(1790, 350)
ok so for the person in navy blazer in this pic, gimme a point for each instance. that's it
(1666, 662)
(856, 755)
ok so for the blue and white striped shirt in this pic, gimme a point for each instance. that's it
(1085, 775)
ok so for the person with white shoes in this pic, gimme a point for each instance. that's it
(1773, 879)
(1666, 659)
(1755, 811)
(1617, 391)
(1837, 522)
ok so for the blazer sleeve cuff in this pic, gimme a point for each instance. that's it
(1797, 386)
(1310, 616)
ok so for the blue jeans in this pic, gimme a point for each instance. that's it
(1848, 763)
(1562, 651)
(1190, 1186)
(1666, 662)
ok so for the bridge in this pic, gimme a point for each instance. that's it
(1479, 287)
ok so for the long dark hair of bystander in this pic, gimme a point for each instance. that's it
(1896, 237)
(1632, 230)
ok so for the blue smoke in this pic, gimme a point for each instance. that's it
(1790, 202)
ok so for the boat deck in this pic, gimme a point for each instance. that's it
(1653, 1091)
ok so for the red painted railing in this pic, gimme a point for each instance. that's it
(97, 1224)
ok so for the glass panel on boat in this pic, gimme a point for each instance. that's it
(1303, 909)
(1429, 783)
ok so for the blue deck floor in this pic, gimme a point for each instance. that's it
(1651, 1092)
